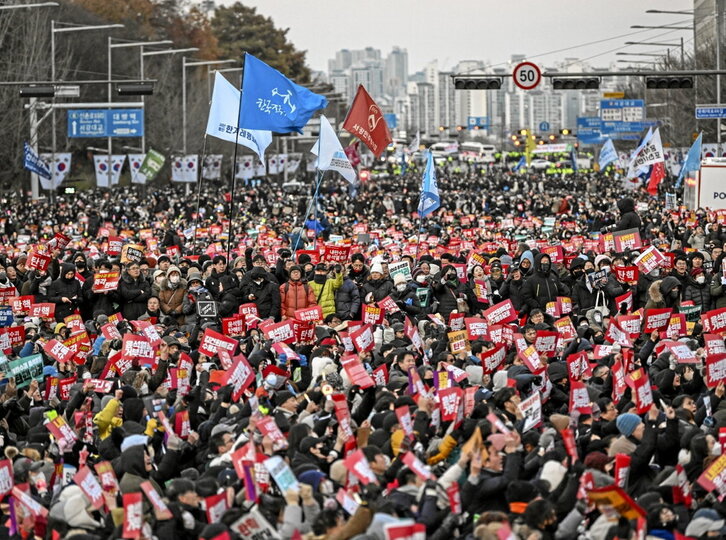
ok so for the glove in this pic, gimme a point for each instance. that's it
(303, 360)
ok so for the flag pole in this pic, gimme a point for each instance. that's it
(230, 229)
(199, 196)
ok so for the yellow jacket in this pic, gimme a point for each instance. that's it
(106, 420)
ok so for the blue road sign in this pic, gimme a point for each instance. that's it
(481, 122)
(544, 126)
(391, 120)
(704, 113)
(101, 123)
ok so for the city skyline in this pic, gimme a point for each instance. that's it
(480, 30)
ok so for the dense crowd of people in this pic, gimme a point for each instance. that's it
(541, 358)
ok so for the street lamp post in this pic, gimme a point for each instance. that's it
(69, 27)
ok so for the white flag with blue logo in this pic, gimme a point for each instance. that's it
(222, 122)
(430, 199)
(608, 154)
(272, 101)
(331, 156)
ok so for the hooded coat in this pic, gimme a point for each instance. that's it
(629, 219)
(133, 294)
(659, 294)
(542, 287)
(65, 288)
(171, 296)
(266, 294)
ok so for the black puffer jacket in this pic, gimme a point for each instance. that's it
(629, 219)
(447, 292)
(266, 295)
(542, 287)
(65, 288)
(133, 294)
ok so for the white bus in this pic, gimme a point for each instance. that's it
(477, 152)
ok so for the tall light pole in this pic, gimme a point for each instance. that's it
(128, 44)
(28, 6)
(185, 65)
(68, 27)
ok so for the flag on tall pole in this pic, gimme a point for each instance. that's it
(271, 101)
(222, 120)
(331, 156)
(33, 163)
(633, 166)
(607, 154)
(365, 121)
(692, 162)
(430, 199)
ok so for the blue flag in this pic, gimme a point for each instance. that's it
(271, 101)
(608, 154)
(573, 158)
(430, 199)
(33, 163)
(693, 160)
(521, 163)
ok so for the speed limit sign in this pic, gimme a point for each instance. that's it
(527, 75)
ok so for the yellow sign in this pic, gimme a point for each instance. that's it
(613, 95)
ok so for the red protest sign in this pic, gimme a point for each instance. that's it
(456, 321)
(362, 338)
(105, 282)
(11, 336)
(85, 480)
(578, 366)
(642, 393)
(240, 376)
(565, 328)
(21, 304)
(311, 314)
(115, 243)
(133, 515)
(403, 413)
(579, 398)
(6, 477)
(388, 305)
(714, 344)
(161, 511)
(493, 358)
(626, 299)
(531, 358)
(546, 343)
(449, 399)
(503, 312)
(714, 321)
(656, 319)
(626, 274)
(417, 466)
(212, 341)
(137, 348)
(372, 314)
(627, 240)
(38, 261)
(268, 428)
(715, 369)
(336, 254)
(356, 372)
(42, 311)
(357, 464)
(233, 326)
(284, 331)
(649, 260)
(476, 328)
(59, 352)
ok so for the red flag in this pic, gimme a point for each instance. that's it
(352, 154)
(657, 173)
(365, 121)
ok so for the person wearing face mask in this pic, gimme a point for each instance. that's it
(171, 294)
(698, 289)
(543, 286)
(263, 293)
(358, 271)
(664, 293)
(65, 292)
(511, 289)
(405, 298)
(447, 290)
(644, 282)
(158, 278)
(82, 266)
(377, 287)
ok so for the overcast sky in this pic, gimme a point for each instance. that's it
(490, 30)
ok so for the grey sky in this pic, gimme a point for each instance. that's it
(488, 30)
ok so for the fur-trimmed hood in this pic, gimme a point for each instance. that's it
(654, 292)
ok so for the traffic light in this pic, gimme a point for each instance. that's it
(37, 91)
(477, 83)
(669, 82)
(552, 137)
(135, 89)
(565, 131)
(575, 83)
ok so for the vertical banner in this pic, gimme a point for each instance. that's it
(212, 167)
(59, 168)
(135, 161)
(184, 168)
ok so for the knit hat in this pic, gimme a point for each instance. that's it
(377, 267)
(553, 472)
(601, 258)
(704, 521)
(282, 397)
(627, 423)
(560, 421)
(499, 380)
(399, 279)
(557, 371)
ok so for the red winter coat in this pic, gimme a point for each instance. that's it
(295, 295)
